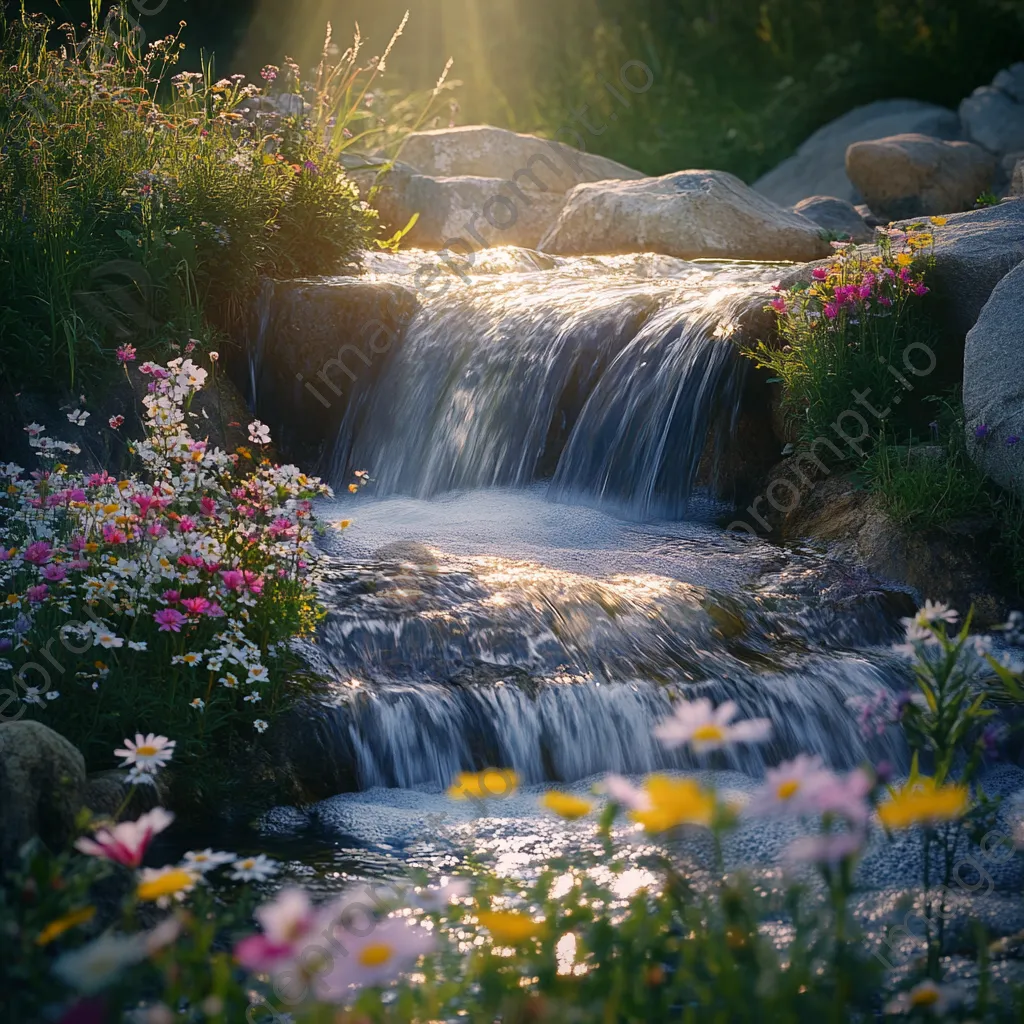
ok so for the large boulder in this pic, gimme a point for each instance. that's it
(1011, 81)
(690, 215)
(1017, 179)
(994, 384)
(42, 779)
(526, 160)
(993, 119)
(467, 213)
(837, 217)
(818, 168)
(917, 175)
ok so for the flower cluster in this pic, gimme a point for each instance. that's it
(194, 571)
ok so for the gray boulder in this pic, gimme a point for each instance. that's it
(527, 161)
(689, 215)
(994, 384)
(916, 175)
(1017, 179)
(1011, 81)
(467, 213)
(994, 120)
(837, 217)
(42, 778)
(818, 168)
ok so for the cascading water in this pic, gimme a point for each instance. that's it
(519, 588)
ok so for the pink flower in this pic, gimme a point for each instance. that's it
(208, 506)
(99, 479)
(112, 535)
(54, 572)
(77, 543)
(819, 273)
(828, 848)
(79, 563)
(846, 796)
(831, 310)
(169, 620)
(115, 422)
(232, 578)
(288, 921)
(214, 611)
(921, 288)
(186, 525)
(865, 291)
(253, 582)
(126, 842)
(884, 300)
(171, 596)
(38, 594)
(195, 605)
(779, 305)
(39, 553)
(156, 529)
(126, 354)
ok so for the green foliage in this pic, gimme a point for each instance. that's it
(111, 168)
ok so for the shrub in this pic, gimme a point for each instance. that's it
(587, 939)
(133, 204)
(170, 596)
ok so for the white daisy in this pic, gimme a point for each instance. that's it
(260, 726)
(206, 860)
(706, 728)
(136, 645)
(253, 697)
(108, 640)
(254, 869)
(927, 997)
(198, 703)
(78, 417)
(147, 753)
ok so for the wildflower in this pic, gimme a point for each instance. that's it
(622, 791)
(195, 605)
(198, 703)
(674, 802)
(107, 640)
(790, 787)
(927, 996)
(126, 354)
(922, 802)
(33, 695)
(202, 861)
(844, 795)
(380, 956)
(828, 848)
(565, 805)
(136, 645)
(39, 552)
(1012, 440)
(352, 488)
(932, 612)
(126, 842)
(37, 594)
(510, 927)
(34, 429)
(726, 329)
(230, 680)
(65, 923)
(252, 698)
(779, 305)
(706, 728)
(213, 356)
(149, 752)
(159, 884)
(115, 422)
(169, 620)
(981, 432)
(254, 869)
(95, 965)
(819, 274)
(260, 726)
(344, 524)
(287, 921)
(259, 433)
(831, 310)
(939, 222)
(78, 417)
(492, 782)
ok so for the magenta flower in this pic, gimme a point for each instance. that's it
(819, 273)
(208, 506)
(195, 605)
(779, 305)
(253, 582)
(232, 578)
(1012, 440)
(126, 354)
(39, 553)
(171, 596)
(214, 611)
(186, 525)
(38, 594)
(54, 572)
(112, 535)
(981, 431)
(169, 620)
(884, 300)
(831, 310)
(126, 842)
(921, 288)
(156, 530)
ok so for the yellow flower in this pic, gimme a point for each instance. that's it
(510, 927)
(344, 524)
(491, 782)
(62, 924)
(565, 805)
(939, 222)
(352, 488)
(904, 259)
(92, 547)
(922, 802)
(165, 882)
(674, 802)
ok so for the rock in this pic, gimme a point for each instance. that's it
(994, 384)
(691, 214)
(524, 160)
(916, 175)
(993, 120)
(42, 777)
(1011, 81)
(316, 344)
(840, 219)
(104, 794)
(463, 214)
(819, 166)
(850, 519)
(1017, 179)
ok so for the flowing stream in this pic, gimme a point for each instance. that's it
(534, 572)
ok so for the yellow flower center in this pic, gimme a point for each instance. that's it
(509, 926)
(709, 733)
(376, 954)
(145, 751)
(787, 789)
(924, 997)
